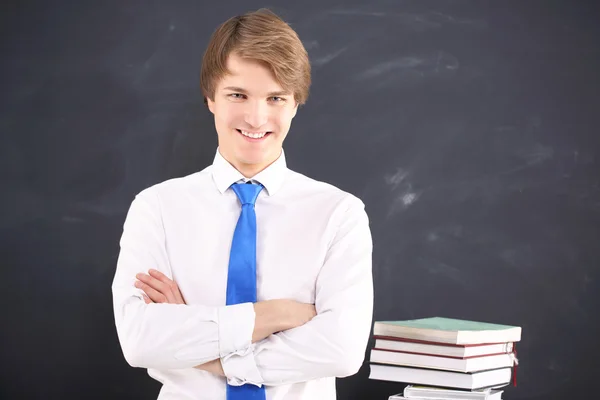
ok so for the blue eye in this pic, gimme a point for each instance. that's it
(277, 99)
(236, 95)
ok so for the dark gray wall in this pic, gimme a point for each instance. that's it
(469, 128)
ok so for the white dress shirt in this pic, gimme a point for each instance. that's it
(313, 246)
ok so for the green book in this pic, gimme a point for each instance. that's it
(448, 331)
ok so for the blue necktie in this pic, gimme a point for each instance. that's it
(241, 278)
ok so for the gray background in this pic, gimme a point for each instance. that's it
(469, 129)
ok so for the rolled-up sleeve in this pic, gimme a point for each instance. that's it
(240, 368)
(167, 336)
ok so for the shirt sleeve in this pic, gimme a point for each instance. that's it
(168, 336)
(333, 343)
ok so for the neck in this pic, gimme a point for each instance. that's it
(248, 170)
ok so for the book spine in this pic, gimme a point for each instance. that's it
(515, 365)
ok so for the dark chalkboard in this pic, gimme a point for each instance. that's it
(469, 129)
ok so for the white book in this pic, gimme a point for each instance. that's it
(431, 377)
(435, 393)
(445, 363)
(400, 397)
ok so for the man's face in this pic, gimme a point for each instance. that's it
(252, 115)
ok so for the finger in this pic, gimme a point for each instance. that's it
(146, 299)
(170, 283)
(179, 297)
(152, 293)
(158, 286)
(159, 275)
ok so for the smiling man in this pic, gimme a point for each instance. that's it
(246, 280)
(253, 114)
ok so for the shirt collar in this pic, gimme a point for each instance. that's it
(224, 174)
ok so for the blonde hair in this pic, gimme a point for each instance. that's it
(261, 36)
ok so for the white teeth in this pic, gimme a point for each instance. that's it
(253, 135)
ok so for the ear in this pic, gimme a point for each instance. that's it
(211, 105)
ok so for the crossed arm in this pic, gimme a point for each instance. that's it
(271, 316)
(270, 343)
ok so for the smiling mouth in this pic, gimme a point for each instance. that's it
(254, 135)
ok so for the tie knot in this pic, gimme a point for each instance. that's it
(246, 193)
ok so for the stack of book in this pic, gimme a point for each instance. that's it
(447, 358)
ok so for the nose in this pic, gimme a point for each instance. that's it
(256, 114)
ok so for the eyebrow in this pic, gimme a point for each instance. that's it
(241, 90)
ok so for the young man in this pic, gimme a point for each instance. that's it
(246, 280)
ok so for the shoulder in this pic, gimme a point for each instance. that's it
(322, 192)
(175, 187)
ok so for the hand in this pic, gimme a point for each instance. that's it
(158, 288)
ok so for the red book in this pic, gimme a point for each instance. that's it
(441, 349)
